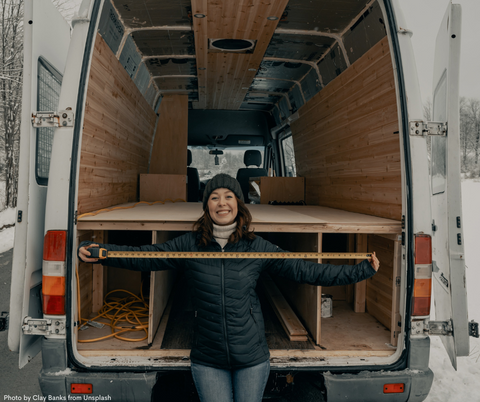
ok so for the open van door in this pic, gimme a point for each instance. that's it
(449, 287)
(46, 41)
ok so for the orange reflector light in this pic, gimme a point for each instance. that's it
(54, 305)
(422, 292)
(55, 245)
(393, 388)
(53, 285)
(422, 288)
(81, 388)
(423, 249)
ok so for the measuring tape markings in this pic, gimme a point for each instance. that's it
(103, 253)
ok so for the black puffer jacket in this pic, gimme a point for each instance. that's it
(229, 329)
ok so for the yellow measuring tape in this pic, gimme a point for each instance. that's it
(103, 253)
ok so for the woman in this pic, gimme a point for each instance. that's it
(230, 356)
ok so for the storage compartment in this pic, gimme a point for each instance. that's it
(364, 315)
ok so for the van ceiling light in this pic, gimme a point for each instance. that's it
(272, 18)
(232, 45)
(199, 15)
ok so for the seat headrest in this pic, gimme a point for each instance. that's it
(252, 157)
(189, 157)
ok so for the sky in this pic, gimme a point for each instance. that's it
(423, 17)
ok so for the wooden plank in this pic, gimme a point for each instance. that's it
(396, 318)
(160, 187)
(380, 288)
(290, 322)
(282, 189)
(169, 152)
(98, 284)
(360, 288)
(303, 298)
(161, 284)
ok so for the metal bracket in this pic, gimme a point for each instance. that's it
(63, 118)
(4, 321)
(419, 128)
(42, 326)
(438, 327)
(428, 327)
(473, 329)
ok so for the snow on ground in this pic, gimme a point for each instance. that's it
(7, 217)
(448, 385)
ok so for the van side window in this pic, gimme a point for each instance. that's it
(288, 157)
(49, 83)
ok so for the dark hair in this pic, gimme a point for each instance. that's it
(204, 225)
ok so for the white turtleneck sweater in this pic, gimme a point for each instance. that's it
(222, 233)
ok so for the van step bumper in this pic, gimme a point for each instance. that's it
(132, 387)
(368, 386)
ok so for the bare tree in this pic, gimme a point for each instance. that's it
(11, 76)
(473, 107)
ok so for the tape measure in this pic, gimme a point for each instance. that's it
(103, 253)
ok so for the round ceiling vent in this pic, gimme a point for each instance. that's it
(232, 45)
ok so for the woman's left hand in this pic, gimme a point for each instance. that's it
(373, 260)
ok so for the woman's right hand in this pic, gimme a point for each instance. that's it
(84, 254)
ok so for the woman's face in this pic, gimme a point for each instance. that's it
(222, 206)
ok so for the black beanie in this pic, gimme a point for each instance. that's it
(222, 180)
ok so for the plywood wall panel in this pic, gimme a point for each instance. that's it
(346, 140)
(117, 135)
(169, 153)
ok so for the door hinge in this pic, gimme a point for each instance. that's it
(63, 118)
(473, 329)
(43, 326)
(19, 216)
(428, 327)
(4, 321)
(420, 128)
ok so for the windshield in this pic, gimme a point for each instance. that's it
(229, 162)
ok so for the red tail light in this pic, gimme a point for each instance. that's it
(422, 289)
(53, 282)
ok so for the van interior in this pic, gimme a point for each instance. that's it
(295, 98)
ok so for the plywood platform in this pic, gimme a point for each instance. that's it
(266, 218)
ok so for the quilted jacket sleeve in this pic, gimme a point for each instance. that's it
(181, 243)
(313, 273)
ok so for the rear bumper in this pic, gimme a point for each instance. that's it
(136, 387)
(368, 386)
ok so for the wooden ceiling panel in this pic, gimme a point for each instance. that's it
(231, 74)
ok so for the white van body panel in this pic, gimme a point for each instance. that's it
(449, 282)
(47, 35)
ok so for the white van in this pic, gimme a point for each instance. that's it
(140, 103)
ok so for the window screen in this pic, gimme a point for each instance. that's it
(48, 93)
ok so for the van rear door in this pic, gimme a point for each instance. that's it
(449, 288)
(46, 41)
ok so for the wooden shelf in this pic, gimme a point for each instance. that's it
(266, 218)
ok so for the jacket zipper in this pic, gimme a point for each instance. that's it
(225, 312)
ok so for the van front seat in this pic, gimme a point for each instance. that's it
(251, 157)
(193, 180)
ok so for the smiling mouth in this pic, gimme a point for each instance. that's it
(223, 212)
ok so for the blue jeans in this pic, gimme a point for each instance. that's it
(218, 385)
